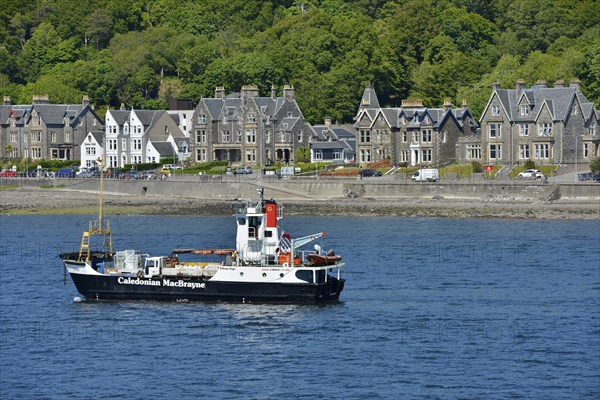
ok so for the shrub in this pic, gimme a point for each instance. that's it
(529, 164)
(476, 166)
(595, 165)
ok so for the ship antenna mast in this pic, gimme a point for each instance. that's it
(97, 227)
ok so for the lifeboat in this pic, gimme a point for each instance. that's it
(322, 259)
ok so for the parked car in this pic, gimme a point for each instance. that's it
(8, 173)
(242, 170)
(66, 173)
(369, 172)
(596, 178)
(426, 175)
(530, 174)
(148, 175)
(171, 167)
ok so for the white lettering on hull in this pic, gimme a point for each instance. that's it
(164, 283)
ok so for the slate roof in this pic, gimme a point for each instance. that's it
(557, 100)
(54, 114)
(148, 117)
(165, 149)
(120, 116)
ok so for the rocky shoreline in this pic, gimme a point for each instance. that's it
(34, 200)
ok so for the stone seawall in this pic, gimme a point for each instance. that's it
(337, 189)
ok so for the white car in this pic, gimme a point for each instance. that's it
(529, 173)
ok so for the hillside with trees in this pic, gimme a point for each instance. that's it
(142, 52)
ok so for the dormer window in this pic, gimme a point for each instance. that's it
(289, 114)
(202, 118)
(524, 110)
(495, 111)
(125, 129)
(251, 118)
(574, 109)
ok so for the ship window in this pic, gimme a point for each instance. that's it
(320, 275)
(268, 233)
(241, 221)
(305, 275)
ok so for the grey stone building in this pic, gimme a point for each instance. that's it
(411, 134)
(46, 131)
(547, 125)
(245, 128)
(332, 143)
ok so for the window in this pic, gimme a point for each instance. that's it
(337, 154)
(251, 118)
(201, 155)
(226, 136)
(495, 111)
(112, 144)
(545, 129)
(36, 152)
(136, 159)
(202, 118)
(136, 144)
(365, 155)
(67, 137)
(111, 129)
(427, 155)
(523, 130)
(404, 137)
(377, 136)
(250, 136)
(123, 144)
(444, 136)
(473, 151)
(14, 137)
(36, 137)
(53, 137)
(365, 136)
(542, 150)
(495, 130)
(414, 137)
(586, 150)
(426, 136)
(201, 136)
(404, 156)
(238, 136)
(90, 150)
(495, 151)
(318, 155)
(251, 155)
(524, 151)
(299, 137)
(574, 109)
(524, 110)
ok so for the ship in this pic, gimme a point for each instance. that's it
(266, 265)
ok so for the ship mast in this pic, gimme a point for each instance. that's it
(97, 227)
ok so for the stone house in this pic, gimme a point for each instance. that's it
(46, 131)
(245, 128)
(411, 134)
(547, 125)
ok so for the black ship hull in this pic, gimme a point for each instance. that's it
(106, 287)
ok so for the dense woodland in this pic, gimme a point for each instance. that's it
(142, 52)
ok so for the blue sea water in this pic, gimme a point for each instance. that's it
(433, 308)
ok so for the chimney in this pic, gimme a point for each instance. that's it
(447, 103)
(541, 84)
(495, 86)
(7, 101)
(85, 100)
(220, 92)
(248, 92)
(328, 122)
(288, 92)
(559, 84)
(575, 84)
(412, 103)
(464, 103)
(122, 107)
(38, 99)
(273, 92)
(520, 86)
